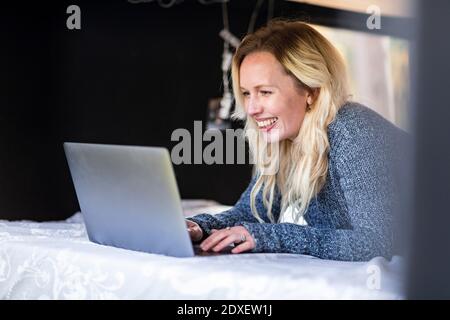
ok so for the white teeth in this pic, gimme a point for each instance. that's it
(266, 123)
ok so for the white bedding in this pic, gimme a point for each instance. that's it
(55, 260)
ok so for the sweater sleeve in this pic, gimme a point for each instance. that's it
(365, 179)
(241, 212)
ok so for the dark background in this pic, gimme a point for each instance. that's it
(131, 75)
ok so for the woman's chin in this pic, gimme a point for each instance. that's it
(272, 136)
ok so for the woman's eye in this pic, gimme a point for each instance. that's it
(265, 92)
(245, 94)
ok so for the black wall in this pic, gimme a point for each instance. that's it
(131, 75)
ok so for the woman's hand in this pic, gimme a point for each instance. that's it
(195, 232)
(220, 239)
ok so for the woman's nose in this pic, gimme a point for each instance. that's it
(254, 107)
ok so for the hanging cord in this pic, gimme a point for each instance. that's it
(212, 1)
(226, 24)
(227, 98)
(270, 6)
(251, 25)
(167, 4)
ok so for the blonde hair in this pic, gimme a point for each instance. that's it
(303, 163)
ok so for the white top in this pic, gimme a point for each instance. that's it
(286, 216)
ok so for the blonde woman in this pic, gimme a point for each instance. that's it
(331, 196)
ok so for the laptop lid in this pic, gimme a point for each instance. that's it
(129, 197)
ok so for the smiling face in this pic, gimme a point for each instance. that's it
(273, 98)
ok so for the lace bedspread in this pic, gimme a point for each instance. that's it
(55, 260)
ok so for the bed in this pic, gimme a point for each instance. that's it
(55, 260)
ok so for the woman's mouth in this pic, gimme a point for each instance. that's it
(267, 124)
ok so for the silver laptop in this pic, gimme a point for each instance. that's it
(129, 197)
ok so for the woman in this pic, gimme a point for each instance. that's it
(331, 196)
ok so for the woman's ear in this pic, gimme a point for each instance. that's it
(312, 95)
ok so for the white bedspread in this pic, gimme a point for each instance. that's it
(55, 260)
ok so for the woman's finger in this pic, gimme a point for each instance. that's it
(232, 238)
(244, 246)
(195, 232)
(213, 239)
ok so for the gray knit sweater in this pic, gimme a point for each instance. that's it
(351, 217)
